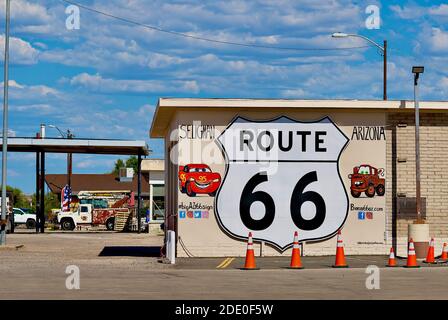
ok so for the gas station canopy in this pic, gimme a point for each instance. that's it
(92, 146)
(41, 146)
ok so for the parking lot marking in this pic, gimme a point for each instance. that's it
(222, 263)
(227, 263)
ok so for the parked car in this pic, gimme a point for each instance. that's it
(24, 216)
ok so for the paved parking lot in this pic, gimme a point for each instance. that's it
(126, 266)
(276, 263)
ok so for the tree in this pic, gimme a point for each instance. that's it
(51, 201)
(131, 162)
(19, 200)
(118, 164)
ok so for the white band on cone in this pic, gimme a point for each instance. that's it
(411, 251)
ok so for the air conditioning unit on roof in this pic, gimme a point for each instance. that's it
(126, 174)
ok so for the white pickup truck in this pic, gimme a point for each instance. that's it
(86, 215)
(24, 216)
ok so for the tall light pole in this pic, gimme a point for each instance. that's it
(417, 71)
(382, 48)
(5, 126)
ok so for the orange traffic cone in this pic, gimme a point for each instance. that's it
(340, 257)
(444, 256)
(430, 255)
(392, 262)
(250, 256)
(412, 259)
(296, 263)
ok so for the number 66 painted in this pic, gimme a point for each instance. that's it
(303, 192)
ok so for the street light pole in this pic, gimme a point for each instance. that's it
(382, 48)
(416, 71)
(5, 126)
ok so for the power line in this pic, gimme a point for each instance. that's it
(185, 35)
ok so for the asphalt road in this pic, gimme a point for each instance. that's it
(125, 266)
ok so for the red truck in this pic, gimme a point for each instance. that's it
(86, 214)
(367, 179)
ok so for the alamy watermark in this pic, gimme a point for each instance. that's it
(373, 21)
(73, 281)
(373, 280)
(73, 21)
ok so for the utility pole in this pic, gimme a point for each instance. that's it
(67, 135)
(417, 71)
(69, 166)
(5, 126)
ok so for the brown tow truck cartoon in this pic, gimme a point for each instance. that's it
(366, 178)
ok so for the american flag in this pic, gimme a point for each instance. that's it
(66, 195)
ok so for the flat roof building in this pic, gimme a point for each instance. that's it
(272, 167)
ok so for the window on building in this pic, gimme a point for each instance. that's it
(158, 202)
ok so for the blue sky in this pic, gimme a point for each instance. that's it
(103, 80)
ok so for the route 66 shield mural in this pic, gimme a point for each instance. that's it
(282, 176)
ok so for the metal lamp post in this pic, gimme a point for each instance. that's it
(5, 127)
(417, 71)
(382, 48)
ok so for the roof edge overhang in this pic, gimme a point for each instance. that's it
(167, 107)
(91, 146)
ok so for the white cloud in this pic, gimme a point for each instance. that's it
(97, 83)
(21, 52)
(441, 10)
(22, 10)
(13, 84)
(40, 45)
(294, 93)
(113, 46)
(408, 12)
(33, 93)
(40, 108)
(438, 40)
(93, 163)
(158, 60)
(145, 110)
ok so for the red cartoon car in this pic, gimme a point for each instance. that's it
(198, 179)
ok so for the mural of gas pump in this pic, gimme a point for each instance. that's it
(367, 179)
